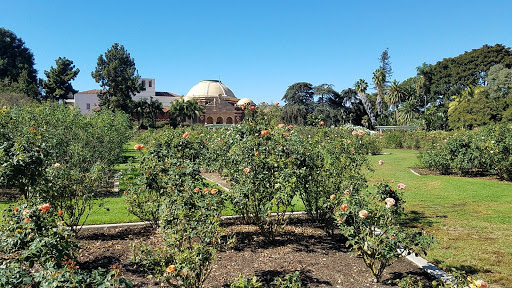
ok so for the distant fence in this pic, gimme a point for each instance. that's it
(381, 128)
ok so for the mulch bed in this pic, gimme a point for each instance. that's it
(324, 261)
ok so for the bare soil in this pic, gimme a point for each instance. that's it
(323, 261)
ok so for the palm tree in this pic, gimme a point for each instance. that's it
(394, 96)
(155, 107)
(379, 79)
(361, 87)
(182, 109)
(139, 108)
(408, 112)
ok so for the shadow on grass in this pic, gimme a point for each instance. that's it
(417, 219)
(466, 269)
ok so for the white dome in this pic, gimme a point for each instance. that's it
(244, 101)
(210, 88)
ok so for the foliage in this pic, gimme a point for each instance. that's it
(190, 228)
(17, 72)
(472, 152)
(292, 280)
(116, 74)
(452, 75)
(361, 86)
(372, 227)
(58, 80)
(39, 140)
(38, 252)
(182, 110)
(261, 170)
(299, 93)
(167, 163)
(472, 108)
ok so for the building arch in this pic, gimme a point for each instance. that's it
(220, 120)
(229, 120)
(209, 120)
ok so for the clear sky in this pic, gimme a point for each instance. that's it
(257, 48)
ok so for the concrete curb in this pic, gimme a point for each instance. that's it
(414, 172)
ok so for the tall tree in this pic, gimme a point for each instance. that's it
(17, 71)
(451, 76)
(379, 79)
(424, 75)
(361, 87)
(324, 92)
(394, 96)
(58, 80)
(385, 65)
(299, 93)
(116, 74)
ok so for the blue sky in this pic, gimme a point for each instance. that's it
(257, 48)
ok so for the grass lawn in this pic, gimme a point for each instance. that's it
(471, 218)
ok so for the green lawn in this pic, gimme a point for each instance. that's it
(471, 218)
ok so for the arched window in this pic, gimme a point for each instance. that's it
(209, 120)
(220, 120)
(229, 120)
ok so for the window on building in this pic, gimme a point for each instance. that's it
(88, 106)
(143, 83)
(150, 83)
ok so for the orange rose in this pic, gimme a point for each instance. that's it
(60, 212)
(286, 134)
(197, 189)
(264, 132)
(214, 191)
(247, 170)
(171, 269)
(344, 207)
(363, 214)
(45, 207)
(186, 134)
(321, 123)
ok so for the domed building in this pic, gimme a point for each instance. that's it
(221, 105)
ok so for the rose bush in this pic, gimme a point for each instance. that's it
(370, 220)
(37, 251)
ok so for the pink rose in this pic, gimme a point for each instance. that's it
(363, 214)
(389, 202)
(381, 162)
(401, 186)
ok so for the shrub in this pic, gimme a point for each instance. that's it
(36, 251)
(372, 228)
(191, 234)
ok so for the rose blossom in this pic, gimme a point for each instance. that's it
(247, 170)
(347, 192)
(290, 127)
(170, 269)
(363, 213)
(344, 207)
(381, 162)
(389, 202)
(45, 207)
(354, 132)
(186, 134)
(401, 186)
(56, 165)
(281, 125)
(333, 196)
(264, 132)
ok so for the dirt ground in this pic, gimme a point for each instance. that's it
(323, 261)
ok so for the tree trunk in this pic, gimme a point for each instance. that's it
(368, 108)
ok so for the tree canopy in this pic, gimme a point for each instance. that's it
(116, 74)
(451, 76)
(299, 93)
(58, 80)
(17, 71)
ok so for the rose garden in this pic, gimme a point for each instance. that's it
(357, 195)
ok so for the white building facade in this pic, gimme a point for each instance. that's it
(87, 101)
